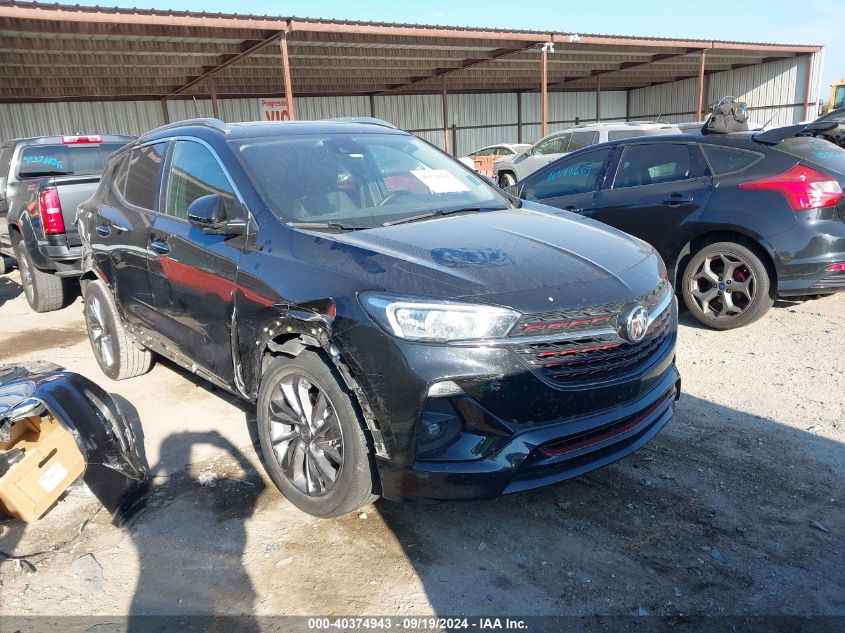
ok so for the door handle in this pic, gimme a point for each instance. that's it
(160, 247)
(676, 199)
(572, 209)
(103, 230)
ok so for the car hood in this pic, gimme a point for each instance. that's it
(481, 254)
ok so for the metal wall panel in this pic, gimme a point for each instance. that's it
(18, 120)
(411, 112)
(669, 100)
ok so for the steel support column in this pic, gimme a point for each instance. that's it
(373, 106)
(445, 101)
(544, 93)
(519, 117)
(598, 99)
(283, 49)
(699, 112)
(212, 89)
(165, 114)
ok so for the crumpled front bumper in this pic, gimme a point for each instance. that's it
(114, 471)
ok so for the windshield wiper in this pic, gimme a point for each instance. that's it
(440, 212)
(39, 174)
(324, 226)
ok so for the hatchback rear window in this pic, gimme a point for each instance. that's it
(724, 160)
(58, 160)
(815, 150)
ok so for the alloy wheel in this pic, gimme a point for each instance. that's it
(100, 335)
(724, 285)
(305, 435)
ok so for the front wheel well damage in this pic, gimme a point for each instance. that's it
(298, 337)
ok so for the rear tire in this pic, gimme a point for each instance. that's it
(726, 285)
(312, 437)
(117, 355)
(44, 291)
(506, 179)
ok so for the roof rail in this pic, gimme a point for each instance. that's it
(362, 119)
(217, 124)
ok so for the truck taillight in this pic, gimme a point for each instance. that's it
(803, 187)
(51, 211)
(82, 140)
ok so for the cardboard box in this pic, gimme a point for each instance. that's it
(52, 461)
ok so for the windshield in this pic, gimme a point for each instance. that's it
(362, 180)
(48, 160)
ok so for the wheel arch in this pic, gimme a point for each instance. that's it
(290, 335)
(725, 234)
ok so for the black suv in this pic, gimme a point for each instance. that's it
(42, 181)
(738, 218)
(403, 327)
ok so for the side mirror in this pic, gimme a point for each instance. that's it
(209, 214)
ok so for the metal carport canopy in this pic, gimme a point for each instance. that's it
(53, 52)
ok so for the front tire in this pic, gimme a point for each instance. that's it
(506, 179)
(45, 292)
(117, 355)
(312, 437)
(726, 285)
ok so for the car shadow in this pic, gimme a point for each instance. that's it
(723, 512)
(9, 289)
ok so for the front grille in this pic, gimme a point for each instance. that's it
(597, 357)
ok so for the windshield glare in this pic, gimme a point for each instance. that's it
(360, 180)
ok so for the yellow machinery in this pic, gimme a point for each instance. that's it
(837, 96)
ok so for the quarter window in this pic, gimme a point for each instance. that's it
(615, 135)
(566, 177)
(143, 178)
(194, 173)
(724, 160)
(651, 164)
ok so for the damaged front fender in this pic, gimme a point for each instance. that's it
(113, 469)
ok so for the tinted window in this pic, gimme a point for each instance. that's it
(582, 139)
(554, 145)
(144, 171)
(5, 160)
(194, 173)
(566, 177)
(615, 135)
(817, 150)
(47, 160)
(650, 164)
(724, 159)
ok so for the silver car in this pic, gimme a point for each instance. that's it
(510, 169)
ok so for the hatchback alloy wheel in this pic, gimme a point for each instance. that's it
(306, 435)
(724, 285)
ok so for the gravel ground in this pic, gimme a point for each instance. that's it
(735, 508)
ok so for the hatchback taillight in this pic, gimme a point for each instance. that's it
(803, 187)
(836, 268)
(51, 211)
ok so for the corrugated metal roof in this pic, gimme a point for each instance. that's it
(158, 54)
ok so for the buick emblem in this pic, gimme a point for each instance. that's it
(634, 323)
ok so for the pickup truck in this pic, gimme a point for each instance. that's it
(42, 182)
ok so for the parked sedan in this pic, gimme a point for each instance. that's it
(740, 219)
(508, 170)
(435, 341)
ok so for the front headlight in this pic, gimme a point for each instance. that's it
(438, 321)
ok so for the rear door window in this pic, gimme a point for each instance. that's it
(144, 174)
(724, 160)
(582, 139)
(554, 145)
(566, 177)
(615, 135)
(815, 150)
(58, 160)
(653, 163)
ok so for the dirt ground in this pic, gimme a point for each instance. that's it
(735, 508)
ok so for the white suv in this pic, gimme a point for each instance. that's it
(510, 169)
